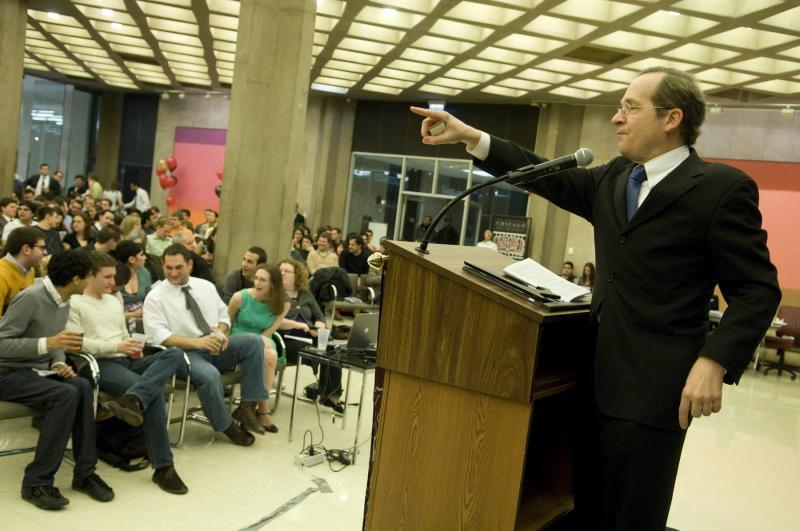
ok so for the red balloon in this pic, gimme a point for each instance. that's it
(219, 174)
(171, 182)
(161, 172)
(172, 163)
(170, 200)
(164, 182)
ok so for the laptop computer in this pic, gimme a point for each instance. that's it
(364, 332)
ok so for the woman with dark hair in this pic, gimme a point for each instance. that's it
(138, 285)
(260, 310)
(587, 277)
(80, 235)
(302, 321)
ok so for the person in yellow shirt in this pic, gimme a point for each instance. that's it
(25, 249)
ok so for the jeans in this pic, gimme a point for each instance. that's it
(246, 350)
(68, 408)
(145, 378)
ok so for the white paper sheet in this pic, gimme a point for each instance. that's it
(536, 275)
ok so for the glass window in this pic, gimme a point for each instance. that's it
(374, 188)
(502, 199)
(419, 175)
(80, 125)
(453, 177)
(47, 123)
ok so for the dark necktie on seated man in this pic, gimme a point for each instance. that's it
(637, 177)
(194, 308)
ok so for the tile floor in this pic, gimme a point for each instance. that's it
(740, 471)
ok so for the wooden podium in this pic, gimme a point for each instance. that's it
(474, 428)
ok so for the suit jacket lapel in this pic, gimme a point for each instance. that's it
(678, 182)
(620, 195)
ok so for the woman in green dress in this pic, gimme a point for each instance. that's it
(260, 310)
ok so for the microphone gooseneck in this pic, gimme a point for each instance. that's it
(517, 177)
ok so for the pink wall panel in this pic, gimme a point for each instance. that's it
(200, 153)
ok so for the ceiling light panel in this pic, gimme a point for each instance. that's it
(627, 40)
(493, 15)
(424, 56)
(506, 56)
(528, 43)
(222, 21)
(535, 74)
(144, 67)
(522, 84)
(332, 8)
(83, 51)
(224, 34)
(97, 13)
(469, 75)
(227, 7)
(132, 50)
(436, 89)
(181, 49)
(787, 20)
(227, 46)
(187, 28)
(595, 11)
(571, 92)
(765, 65)
(504, 91)
(485, 66)
(726, 8)
(413, 66)
(419, 6)
(467, 32)
(382, 89)
(87, 43)
(437, 44)
(599, 85)
(177, 38)
(459, 84)
(225, 56)
(188, 67)
(396, 83)
(558, 27)
(401, 74)
(389, 17)
(618, 74)
(567, 67)
(56, 18)
(652, 62)
(124, 39)
(325, 23)
(341, 74)
(791, 52)
(666, 23)
(55, 29)
(155, 80)
(334, 81)
(375, 33)
(750, 39)
(116, 5)
(778, 86)
(356, 57)
(320, 38)
(194, 59)
(360, 45)
(699, 53)
(153, 9)
(348, 66)
(724, 77)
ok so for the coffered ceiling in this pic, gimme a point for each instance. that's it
(519, 51)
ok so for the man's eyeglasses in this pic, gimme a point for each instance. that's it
(627, 108)
(42, 247)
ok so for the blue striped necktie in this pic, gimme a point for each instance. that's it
(638, 175)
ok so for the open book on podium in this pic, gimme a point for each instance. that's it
(532, 281)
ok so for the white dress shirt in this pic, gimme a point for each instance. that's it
(166, 313)
(140, 201)
(656, 168)
(41, 184)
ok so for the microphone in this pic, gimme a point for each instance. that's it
(518, 177)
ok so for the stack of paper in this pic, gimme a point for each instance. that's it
(537, 276)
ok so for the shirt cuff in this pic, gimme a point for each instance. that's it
(481, 150)
(42, 346)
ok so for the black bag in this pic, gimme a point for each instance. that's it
(121, 445)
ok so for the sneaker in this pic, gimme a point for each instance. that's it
(168, 479)
(45, 497)
(246, 414)
(95, 487)
(126, 408)
(239, 435)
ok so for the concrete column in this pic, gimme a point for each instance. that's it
(559, 133)
(265, 148)
(13, 15)
(106, 165)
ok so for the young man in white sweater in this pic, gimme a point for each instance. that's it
(123, 368)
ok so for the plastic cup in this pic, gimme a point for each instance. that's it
(323, 334)
(141, 339)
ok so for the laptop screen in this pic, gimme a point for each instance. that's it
(364, 333)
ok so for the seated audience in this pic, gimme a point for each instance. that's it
(149, 218)
(354, 258)
(141, 199)
(131, 228)
(260, 310)
(420, 231)
(187, 313)
(32, 337)
(567, 271)
(138, 285)
(124, 371)
(366, 236)
(297, 238)
(94, 188)
(336, 236)
(243, 278)
(159, 239)
(105, 241)
(201, 268)
(8, 207)
(49, 223)
(487, 241)
(78, 237)
(303, 318)
(78, 187)
(102, 219)
(323, 256)
(25, 212)
(447, 234)
(24, 252)
(204, 229)
(587, 277)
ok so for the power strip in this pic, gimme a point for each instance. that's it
(304, 460)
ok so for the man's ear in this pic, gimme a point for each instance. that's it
(190, 264)
(674, 119)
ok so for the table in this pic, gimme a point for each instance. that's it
(316, 355)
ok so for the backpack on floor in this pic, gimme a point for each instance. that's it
(121, 445)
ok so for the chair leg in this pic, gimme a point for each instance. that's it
(185, 412)
(278, 383)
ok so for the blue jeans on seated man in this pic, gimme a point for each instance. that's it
(145, 379)
(245, 350)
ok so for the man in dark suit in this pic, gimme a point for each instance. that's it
(668, 228)
(43, 183)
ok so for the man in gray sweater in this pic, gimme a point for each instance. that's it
(34, 372)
